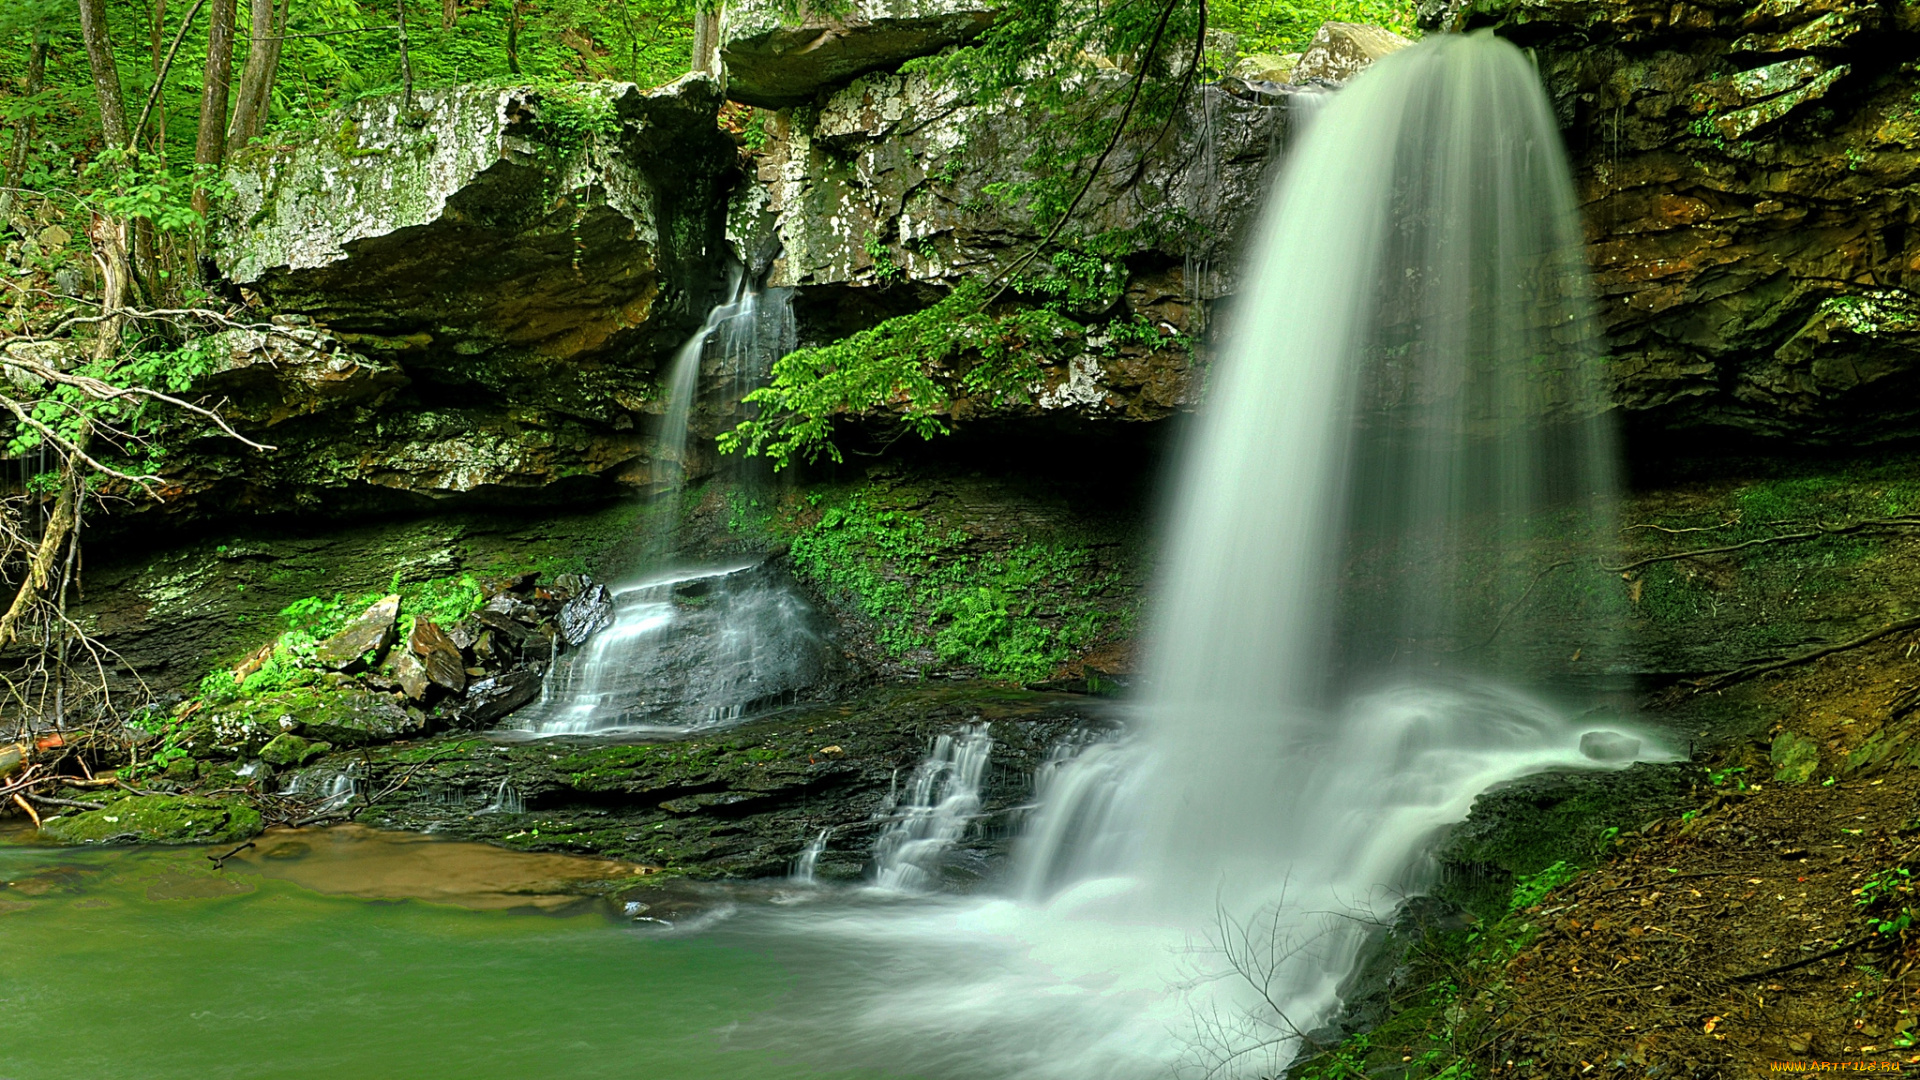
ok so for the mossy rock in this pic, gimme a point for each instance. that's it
(157, 819)
(1528, 825)
(340, 711)
(1795, 758)
(290, 749)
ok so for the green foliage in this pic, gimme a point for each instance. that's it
(1015, 615)
(576, 118)
(912, 366)
(1530, 889)
(445, 600)
(1887, 891)
(1283, 26)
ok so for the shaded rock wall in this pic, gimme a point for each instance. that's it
(1748, 176)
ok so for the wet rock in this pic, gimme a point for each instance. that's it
(411, 674)
(157, 819)
(364, 640)
(438, 655)
(1609, 746)
(1340, 51)
(778, 55)
(586, 614)
(491, 699)
(1740, 169)
(287, 750)
(1795, 758)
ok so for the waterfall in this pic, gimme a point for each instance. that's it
(1377, 600)
(686, 650)
(699, 648)
(803, 866)
(941, 799)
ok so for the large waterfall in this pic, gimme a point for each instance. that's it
(1372, 609)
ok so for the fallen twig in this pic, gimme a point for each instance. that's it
(220, 861)
(51, 801)
(1839, 950)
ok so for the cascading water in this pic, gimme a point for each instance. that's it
(1360, 626)
(688, 650)
(691, 649)
(941, 799)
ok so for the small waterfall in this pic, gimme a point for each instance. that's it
(506, 800)
(810, 858)
(685, 651)
(335, 788)
(941, 799)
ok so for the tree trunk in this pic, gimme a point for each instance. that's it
(211, 147)
(109, 246)
(106, 77)
(66, 512)
(513, 36)
(449, 10)
(23, 131)
(257, 77)
(706, 41)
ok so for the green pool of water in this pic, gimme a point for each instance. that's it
(142, 963)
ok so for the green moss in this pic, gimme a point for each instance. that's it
(1015, 614)
(157, 819)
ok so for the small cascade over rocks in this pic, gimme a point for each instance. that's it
(689, 649)
(686, 651)
(941, 799)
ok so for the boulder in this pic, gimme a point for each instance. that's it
(351, 716)
(439, 657)
(287, 749)
(1267, 67)
(369, 635)
(586, 615)
(1795, 758)
(411, 674)
(489, 700)
(157, 819)
(1342, 50)
(1608, 746)
(780, 54)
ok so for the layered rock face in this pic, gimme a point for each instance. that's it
(777, 56)
(891, 191)
(486, 284)
(1747, 175)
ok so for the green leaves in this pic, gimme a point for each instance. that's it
(909, 367)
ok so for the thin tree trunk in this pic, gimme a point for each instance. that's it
(66, 512)
(157, 34)
(706, 41)
(110, 249)
(106, 77)
(513, 36)
(146, 255)
(449, 11)
(406, 64)
(211, 147)
(23, 132)
(251, 97)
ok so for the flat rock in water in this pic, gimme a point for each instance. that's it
(372, 632)
(586, 615)
(1609, 746)
(444, 665)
